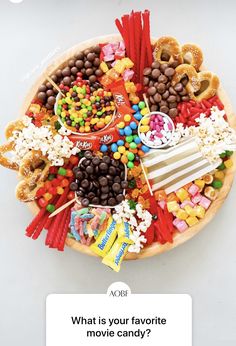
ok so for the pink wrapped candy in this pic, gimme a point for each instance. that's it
(205, 202)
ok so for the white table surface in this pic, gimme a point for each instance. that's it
(204, 267)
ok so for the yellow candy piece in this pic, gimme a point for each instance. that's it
(47, 196)
(34, 108)
(87, 129)
(219, 175)
(144, 128)
(121, 125)
(121, 149)
(172, 206)
(145, 121)
(200, 211)
(182, 194)
(192, 220)
(127, 62)
(182, 214)
(103, 67)
(119, 66)
(228, 163)
(190, 210)
(144, 111)
(127, 117)
(116, 156)
(200, 183)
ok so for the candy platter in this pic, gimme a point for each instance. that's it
(191, 205)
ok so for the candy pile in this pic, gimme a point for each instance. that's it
(161, 94)
(85, 111)
(191, 110)
(99, 181)
(86, 62)
(156, 130)
(85, 223)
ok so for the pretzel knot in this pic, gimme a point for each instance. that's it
(34, 170)
(9, 146)
(183, 70)
(170, 46)
(196, 56)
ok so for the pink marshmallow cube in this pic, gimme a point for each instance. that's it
(193, 189)
(176, 221)
(182, 226)
(187, 202)
(197, 198)
(108, 57)
(162, 204)
(128, 74)
(205, 202)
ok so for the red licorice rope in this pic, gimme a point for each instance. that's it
(135, 31)
(59, 232)
(64, 233)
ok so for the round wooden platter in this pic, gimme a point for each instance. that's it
(179, 238)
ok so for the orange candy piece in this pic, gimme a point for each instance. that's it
(160, 195)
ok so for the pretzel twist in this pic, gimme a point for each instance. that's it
(169, 45)
(196, 55)
(34, 170)
(9, 146)
(183, 70)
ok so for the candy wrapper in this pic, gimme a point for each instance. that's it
(105, 239)
(117, 252)
(90, 142)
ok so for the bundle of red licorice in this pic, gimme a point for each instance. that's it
(135, 31)
(57, 227)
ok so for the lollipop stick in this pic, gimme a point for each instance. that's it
(145, 175)
(57, 211)
(146, 102)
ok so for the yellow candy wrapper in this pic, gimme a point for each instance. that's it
(105, 239)
(116, 254)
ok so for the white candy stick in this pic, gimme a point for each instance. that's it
(174, 165)
(176, 175)
(167, 154)
(191, 178)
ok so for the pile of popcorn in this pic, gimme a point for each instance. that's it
(124, 213)
(54, 147)
(213, 135)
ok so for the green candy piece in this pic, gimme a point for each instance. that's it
(221, 167)
(57, 125)
(61, 171)
(133, 145)
(132, 184)
(129, 139)
(223, 155)
(229, 153)
(130, 157)
(132, 204)
(99, 113)
(130, 164)
(51, 208)
(142, 104)
(217, 184)
(51, 177)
